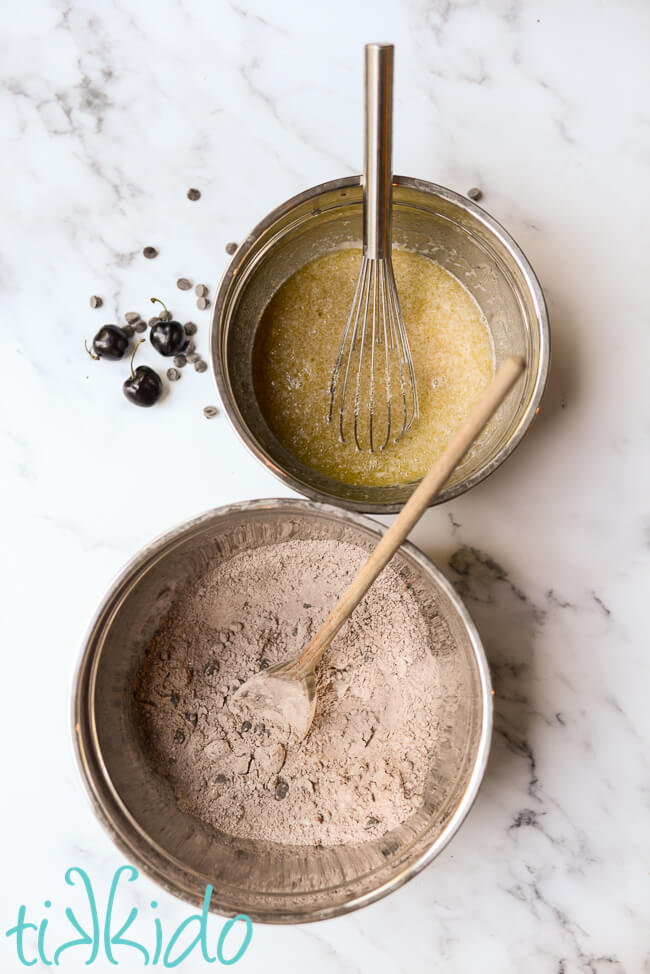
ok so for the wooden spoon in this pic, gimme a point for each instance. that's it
(285, 693)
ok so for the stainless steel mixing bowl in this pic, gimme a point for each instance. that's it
(429, 219)
(270, 882)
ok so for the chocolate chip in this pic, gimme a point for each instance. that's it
(210, 411)
(173, 697)
(246, 726)
(221, 779)
(180, 361)
(150, 252)
(128, 330)
(140, 326)
(264, 662)
(201, 290)
(173, 375)
(191, 355)
(211, 668)
(96, 301)
(259, 728)
(202, 304)
(231, 248)
(154, 321)
(193, 194)
(281, 789)
(131, 317)
(183, 284)
(165, 316)
(371, 821)
(190, 328)
(179, 736)
(201, 366)
(192, 719)
(474, 193)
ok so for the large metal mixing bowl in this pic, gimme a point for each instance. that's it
(272, 883)
(429, 219)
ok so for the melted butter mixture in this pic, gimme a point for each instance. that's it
(296, 347)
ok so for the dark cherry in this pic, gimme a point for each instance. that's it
(144, 386)
(109, 342)
(167, 337)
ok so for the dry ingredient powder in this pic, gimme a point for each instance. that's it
(361, 770)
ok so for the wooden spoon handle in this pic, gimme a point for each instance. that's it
(414, 508)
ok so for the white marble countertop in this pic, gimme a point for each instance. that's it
(110, 112)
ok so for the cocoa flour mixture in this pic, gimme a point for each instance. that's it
(361, 770)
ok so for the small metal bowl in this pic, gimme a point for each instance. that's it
(271, 882)
(430, 220)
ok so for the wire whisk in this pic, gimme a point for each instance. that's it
(374, 364)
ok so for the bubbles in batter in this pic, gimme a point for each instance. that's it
(296, 346)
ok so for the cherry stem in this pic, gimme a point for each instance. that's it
(153, 301)
(95, 357)
(137, 346)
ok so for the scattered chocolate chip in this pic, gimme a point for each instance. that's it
(281, 789)
(180, 361)
(200, 290)
(165, 315)
(149, 252)
(201, 366)
(128, 330)
(96, 301)
(132, 317)
(193, 194)
(259, 728)
(211, 668)
(190, 328)
(231, 248)
(183, 284)
(192, 719)
(192, 356)
(173, 375)
(371, 821)
(154, 321)
(264, 662)
(246, 726)
(474, 193)
(307, 605)
(140, 326)
(190, 347)
(179, 736)
(210, 411)
(173, 697)
(221, 779)
(202, 304)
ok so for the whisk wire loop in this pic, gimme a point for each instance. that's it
(375, 317)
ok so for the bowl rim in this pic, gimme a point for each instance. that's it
(450, 196)
(90, 764)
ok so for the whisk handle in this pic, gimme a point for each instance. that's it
(378, 151)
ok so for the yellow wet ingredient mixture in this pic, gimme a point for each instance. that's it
(296, 347)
